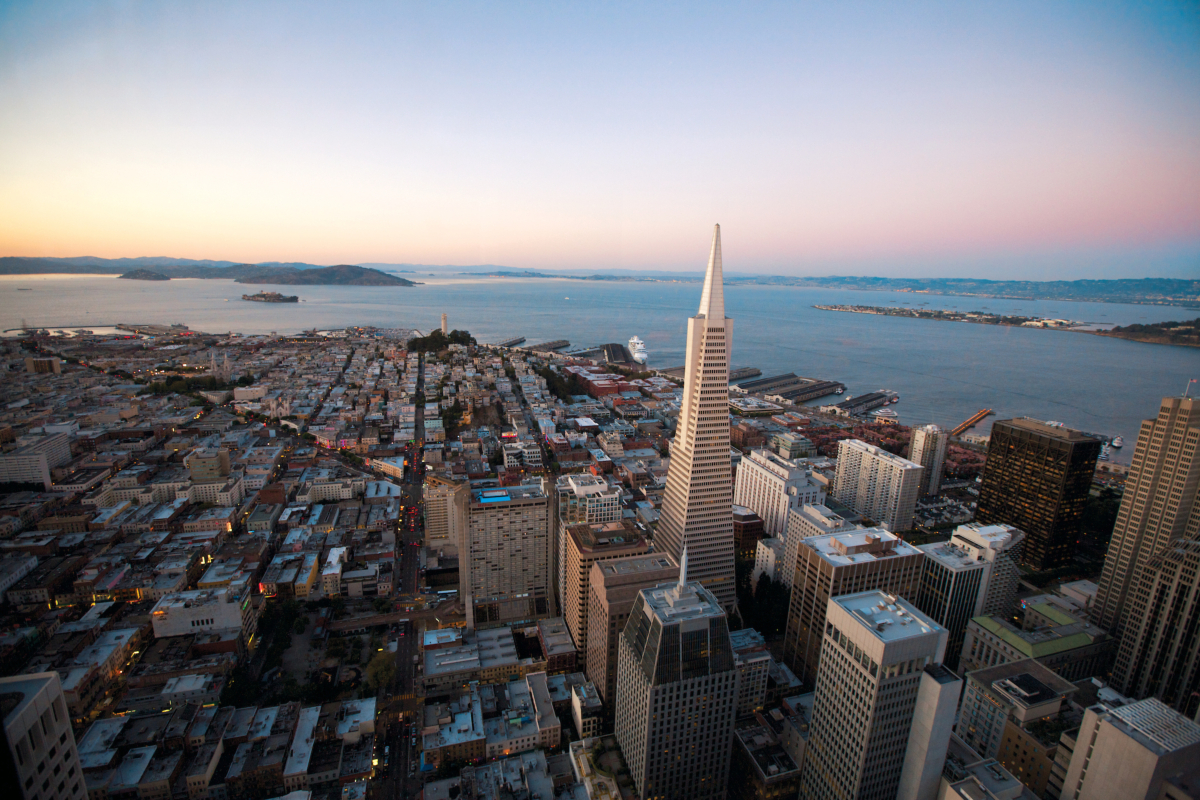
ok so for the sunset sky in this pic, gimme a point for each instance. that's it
(999, 140)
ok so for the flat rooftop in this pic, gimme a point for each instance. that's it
(672, 603)
(507, 494)
(636, 565)
(888, 617)
(1151, 721)
(1055, 430)
(861, 546)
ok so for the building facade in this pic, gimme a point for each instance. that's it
(41, 743)
(677, 691)
(697, 508)
(928, 448)
(772, 487)
(587, 544)
(877, 484)
(504, 567)
(1037, 477)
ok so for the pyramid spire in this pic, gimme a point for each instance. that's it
(683, 569)
(712, 302)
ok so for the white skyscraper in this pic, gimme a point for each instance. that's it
(37, 726)
(928, 449)
(697, 509)
(877, 484)
(677, 692)
(880, 684)
(583, 498)
(772, 487)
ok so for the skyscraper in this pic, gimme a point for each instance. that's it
(879, 651)
(974, 573)
(583, 498)
(1037, 477)
(37, 727)
(504, 572)
(772, 487)
(842, 563)
(697, 508)
(928, 449)
(1159, 505)
(677, 692)
(585, 545)
(877, 484)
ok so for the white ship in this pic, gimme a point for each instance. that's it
(637, 348)
(1117, 442)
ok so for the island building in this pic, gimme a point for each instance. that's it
(1148, 591)
(503, 567)
(1143, 749)
(677, 692)
(928, 449)
(613, 586)
(883, 707)
(44, 761)
(586, 545)
(697, 507)
(837, 564)
(973, 574)
(877, 484)
(1037, 477)
(772, 487)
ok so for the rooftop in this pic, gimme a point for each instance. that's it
(508, 494)
(888, 617)
(636, 565)
(1054, 430)
(861, 546)
(1157, 725)
(672, 602)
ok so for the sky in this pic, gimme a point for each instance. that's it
(1032, 140)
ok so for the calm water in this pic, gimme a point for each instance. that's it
(943, 371)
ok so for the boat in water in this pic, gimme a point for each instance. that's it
(637, 348)
(1117, 442)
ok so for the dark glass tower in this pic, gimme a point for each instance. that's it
(1037, 478)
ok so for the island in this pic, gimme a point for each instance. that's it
(340, 275)
(271, 297)
(1185, 333)
(978, 317)
(144, 275)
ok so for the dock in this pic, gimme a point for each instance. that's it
(972, 421)
(549, 347)
(863, 403)
(513, 342)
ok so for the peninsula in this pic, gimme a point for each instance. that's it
(1185, 334)
(144, 275)
(978, 317)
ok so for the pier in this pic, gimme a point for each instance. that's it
(974, 420)
(549, 347)
(789, 388)
(513, 342)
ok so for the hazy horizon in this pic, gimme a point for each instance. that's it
(1006, 141)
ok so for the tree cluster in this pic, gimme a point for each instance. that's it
(437, 341)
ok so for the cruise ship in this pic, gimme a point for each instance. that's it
(637, 348)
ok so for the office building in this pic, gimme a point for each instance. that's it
(928, 448)
(205, 611)
(747, 531)
(503, 567)
(43, 365)
(446, 503)
(804, 523)
(879, 653)
(1021, 691)
(1140, 750)
(762, 768)
(677, 691)
(1064, 642)
(842, 563)
(1159, 651)
(877, 484)
(1037, 478)
(41, 744)
(612, 588)
(772, 487)
(974, 573)
(585, 545)
(581, 499)
(32, 462)
(207, 464)
(698, 501)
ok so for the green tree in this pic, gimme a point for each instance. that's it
(381, 670)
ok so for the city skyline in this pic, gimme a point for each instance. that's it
(1002, 142)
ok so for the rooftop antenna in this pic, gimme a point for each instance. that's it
(1188, 388)
(683, 569)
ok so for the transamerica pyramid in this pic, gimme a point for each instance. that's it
(697, 509)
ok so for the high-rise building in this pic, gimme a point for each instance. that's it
(804, 523)
(842, 563)
(445, 512)
(879, 652)
(503, 567)
(928, 449)
(1018, 693)
(32, 462)
(587, 544)
(612, 588)
(697, 507)
(1037, 477)
(974, 573)
(40, 741)
(772, 487)
(677, 692)
(1142, 750)
(580, 499)
(445, 325)
(1158, 507)
(1159, 650)
(877, 484)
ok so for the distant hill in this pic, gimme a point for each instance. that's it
(290, 274)
(340, 275)
(144, 275)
